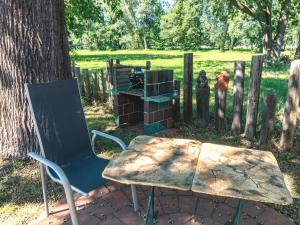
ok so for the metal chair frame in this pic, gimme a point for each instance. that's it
(45, 164)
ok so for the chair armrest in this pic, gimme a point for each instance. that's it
(60, 173)
(108, 136)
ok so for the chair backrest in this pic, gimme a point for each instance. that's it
(59, 120)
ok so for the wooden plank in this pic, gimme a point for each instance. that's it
(95, 87)
(240, 173)
(220, 109)
(291, 108)
(202, 99)
(267, 127)
(253, 95)
(176, 104)
(102, 87)
(87, 84)
(154, 161)
(188, 87)
(238, 93)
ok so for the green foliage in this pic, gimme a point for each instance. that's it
(186, 24)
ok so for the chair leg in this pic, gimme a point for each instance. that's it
(134, 198)
(71, 204)
(44, 187)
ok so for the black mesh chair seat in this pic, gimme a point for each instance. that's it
(84, 173)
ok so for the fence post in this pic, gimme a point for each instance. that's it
(73, 71)
(148, 65)
(291, 108)
(102, 85)
(95, 88)
(221, 88)
(202, 98)
(253, 95)
(238, 91)
(176, 106)
(267, 128)
(188, 87)
(109, 86)
(87, 86)
(118, 61)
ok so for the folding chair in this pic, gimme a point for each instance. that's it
(67, 151)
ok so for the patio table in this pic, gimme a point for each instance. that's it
(200, 167)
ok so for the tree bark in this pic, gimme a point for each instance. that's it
(238, 93)
(291, 108)
(253, 96)
(297, 53)
(33, 49)
(267, 128)
(188, 87)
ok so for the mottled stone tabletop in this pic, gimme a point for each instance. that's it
(240, 173)
(206, 168)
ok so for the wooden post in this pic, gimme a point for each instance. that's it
(267, 128)
(95, 88)
(148, 65)
(176, 106)
(202, 98)
(102, 85)
(188, 87)
(220, 109)
(238, 91)
(73, 68)
(253, 95)
(79, 79)
(87, 86)
(109, 82)
(118, 61)
(291, 107)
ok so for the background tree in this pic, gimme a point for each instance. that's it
(33, 49)
(271, 15)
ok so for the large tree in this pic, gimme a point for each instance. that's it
(272, 15)
(33, 49)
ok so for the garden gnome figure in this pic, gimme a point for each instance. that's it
(221, 88)
(202, 98)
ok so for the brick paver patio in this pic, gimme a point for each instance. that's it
(111, 205)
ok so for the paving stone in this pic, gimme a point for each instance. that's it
(253, 209)
(223, 213)
(205, 207)
(169, 203)
(182, 219)
(232, 202)
(99, 192)
(163, 220)
(112, 221)
(205, 221)
(187, 204)
(117, 200)
(184, 193)
(129, 217)
(167, 191)
(271, 217)
(112, 206)
(102, 210)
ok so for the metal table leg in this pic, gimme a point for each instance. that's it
(237, 215)
(152, 218)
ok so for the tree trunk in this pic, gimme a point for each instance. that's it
(34, 49)
(297, 53)
(267, 32)
(280, 31)
(253, 96)
(291, 108)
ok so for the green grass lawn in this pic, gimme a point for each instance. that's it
(20, 188)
